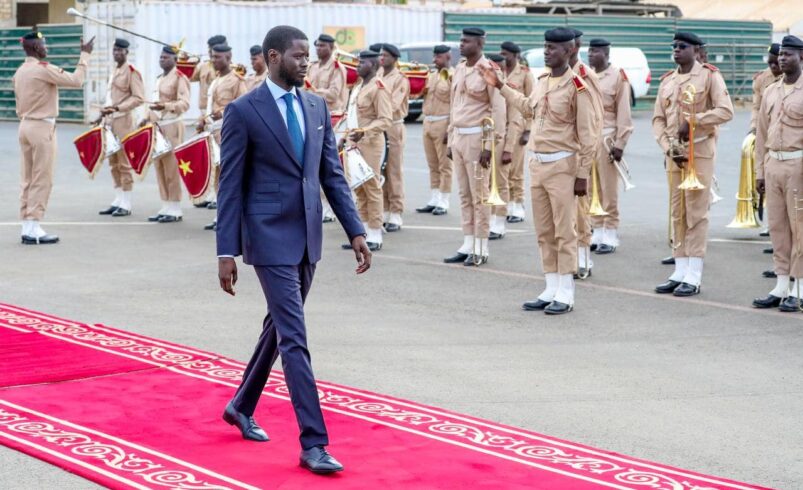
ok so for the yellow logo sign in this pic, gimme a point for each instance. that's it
(348, 38)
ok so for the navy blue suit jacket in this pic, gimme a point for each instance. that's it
(269, 204)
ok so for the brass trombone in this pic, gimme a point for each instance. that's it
(690, 182)
(747, 196)
(595, 208)
(489, 143)
(622, 168)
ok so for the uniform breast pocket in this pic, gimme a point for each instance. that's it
(792, 115)
(264, 207)
(560, 106)
(477, 88)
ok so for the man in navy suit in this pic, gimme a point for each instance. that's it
(278, 149)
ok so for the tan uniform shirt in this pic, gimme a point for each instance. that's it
(473, 100)
(174, 92)
(761, 81)
(591, 81)
(616, 105)
(254, 80)
(437, 94)
(399, 89)
(374, 109)
(520, 80)
(127, 89)
(204, 74)
(36, 85)
(225, 89)
(712, 105)
(562, 115)
(780, 121)
(329, 81)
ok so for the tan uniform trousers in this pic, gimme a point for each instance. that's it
(554, 213)
(38, 147)
(122, 174)
(393, 190)
(504, 173)
(166, 166)
(583, 220)
(474, 191)
(516, 179)
(690, 221)
(369, 195)
(786, 226)
(608, 191)
(440, 167)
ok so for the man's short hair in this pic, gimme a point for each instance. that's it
(280, 38)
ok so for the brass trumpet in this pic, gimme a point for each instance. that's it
(747, 196)
(595, 208)
(622, 168)
(690, 181)
(489, 143)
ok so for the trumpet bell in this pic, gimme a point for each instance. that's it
(691, 183)
(494, 199)
(745, 215)
(596, 209)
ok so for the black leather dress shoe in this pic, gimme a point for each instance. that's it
(439, 211)
(668, 261)
(212, 205)
(121, 212)
(247, 425)
(457, 258)
(318, 461)
(202, 204)
(514, 219)
(328, 219)
(593, 247)
(764, 233)
(769, 302)
(391, 227)
(558, 308)
(495, 236)
(536, 305)
(667, 287)
(768, 250)
(426, 209)
(770, 274)
(790, 305)
(211, 226)
(108, 211)
(155, 218)
(685, 289)
(604, 249)
(373, 246)
(582, 273)
(473, 261)
(170, 219)
(42, 240)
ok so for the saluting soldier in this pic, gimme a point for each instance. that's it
(779, 154)
(369, 116)
(617, 126)
(126, 92)
(224, 89)
(171, 101)
(689, 208)
(36, 91)
(436, 122)
(472, 102)
(399, 89)
(560, 150)
(257, 78)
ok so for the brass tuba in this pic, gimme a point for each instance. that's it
(690, 180)
(747, 196)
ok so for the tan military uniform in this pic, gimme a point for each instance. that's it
(393, 190)
(173, 91)
(779, 155)
(617, 126)
(712, 107)
(222, 92)
(761, 80)
(127, 92)
(329, 81)
(436, 123)
(254, 80)
(472, 101)
(204, 74)
(36, 85)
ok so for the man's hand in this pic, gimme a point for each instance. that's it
(680, 161)
(362, 253)
(761, 186)
(356, 136)
(507, 157)
(446, 139)
(485, 158)
(200, 126)
(525, 137)
(616, 154)
(88, 46)
(217, 115)
(489, 75)
(683, 131)
(449, 153)
(227, 273)
(108, 110)
(580, 186)
(142, 123)
(158, 106)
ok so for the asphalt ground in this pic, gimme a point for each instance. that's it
(707, 383)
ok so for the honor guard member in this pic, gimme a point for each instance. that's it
(36, 90)
(224, 89)
(510, 176)
(585, 241)
(560, 150)
(712, 107)
(436, 121)
(779, 155)
(617, 126)
(399, 89)
(762, 80)
(125, 93)
(368, 117)
(376, 47)
(494, 232)
(257, 78)
(473, 101)
(172, 100)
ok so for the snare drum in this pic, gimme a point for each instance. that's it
(160, 146)
(110, 142)
(358, 171)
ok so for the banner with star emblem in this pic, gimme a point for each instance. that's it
(195, 164)
(91, 150)
(138, 147)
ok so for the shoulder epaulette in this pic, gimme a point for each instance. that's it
(578, 83)
(44, 63)
(379, 83)
(666, 74)
(582, 71)
(133, 70)
(710, 67)
(337, 64)
(624, 75)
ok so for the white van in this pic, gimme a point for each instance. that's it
(631, 59)
(422, 53)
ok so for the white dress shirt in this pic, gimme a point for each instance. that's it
(278, 94)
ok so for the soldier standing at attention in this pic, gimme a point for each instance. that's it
(399, 89)
(260, 69)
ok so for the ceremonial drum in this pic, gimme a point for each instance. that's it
(416, 75)
(357, 169)
(161, 146)
(110, 142)
(195, 161)
(350, 61)
(138, 147)
(95, 145)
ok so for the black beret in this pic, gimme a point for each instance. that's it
(369, 54)
(376, 47)
(326, 38)
(559, 35)
(217, 39)
(496, 58)
(511, 47)
(440, 49)
(256, 49)
(121, 43)
(392, 50)
(577, 33)
(599, 43)
(775, 48)
(688, 37)
(32, 35)
(221, 48)
(792, 42)
(169, 50)
(473, 31)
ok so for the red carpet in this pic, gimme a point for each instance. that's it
(128, 411)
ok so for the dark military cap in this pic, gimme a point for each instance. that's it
(559, 35)
(121, 43)
(221, 48)
(326, 38)
(599, 43)
(511, 47)
(792, 42)
(369, 54)
(440, 49)
(496, 58)
(775, 48)
(473, 31)
(32, 35)
(688, 37)
(217, 39)
(376, 47)
(392, 50)
(256, 49)
(169, 50)
(577, 33)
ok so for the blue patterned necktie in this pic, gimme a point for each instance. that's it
(296, 138)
